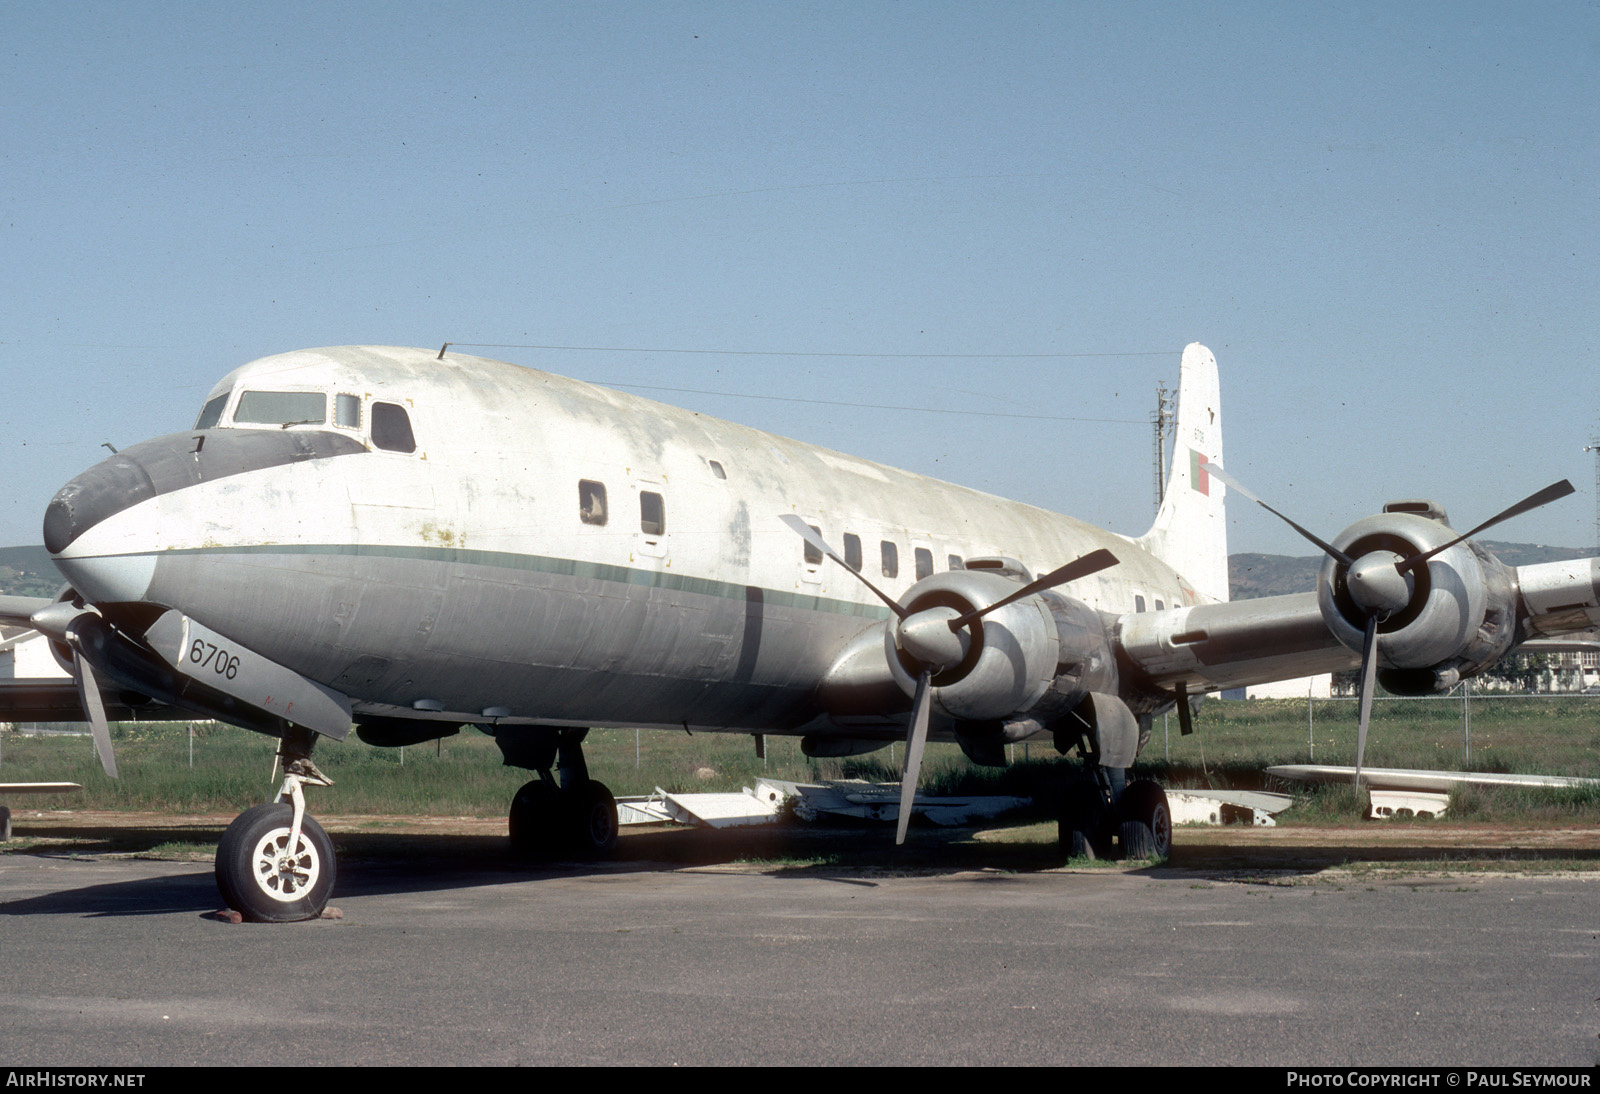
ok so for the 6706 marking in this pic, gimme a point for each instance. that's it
(223, 663)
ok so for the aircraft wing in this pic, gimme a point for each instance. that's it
(1471, 611)
(1211, 647)
(56, 699)
(18, 610)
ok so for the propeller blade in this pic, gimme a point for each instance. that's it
(1234, 484)
(1369, 681)
(1553, 492)
(95, 707)
(1093, 562)
(805, 532)
(918, 737)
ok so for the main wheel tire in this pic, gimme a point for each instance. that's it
(1145, 803)
(1075, 843)
(1137, 841)
(266, 881)
(1077, 823)
(592, 821)
(532, 823)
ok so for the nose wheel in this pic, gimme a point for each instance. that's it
(275, 864)
(270, 873)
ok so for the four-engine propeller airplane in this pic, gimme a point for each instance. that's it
(408, 542)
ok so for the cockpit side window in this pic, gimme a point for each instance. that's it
(391, 428)
(281, 408)
(211, 413)
(347, 411)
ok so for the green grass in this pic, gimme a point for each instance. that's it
(460, 775)
(463, 775)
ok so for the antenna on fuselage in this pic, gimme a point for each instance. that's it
(441, 351)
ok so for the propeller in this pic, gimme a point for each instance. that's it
(64, 621)
(1382, 583)
(932, 637)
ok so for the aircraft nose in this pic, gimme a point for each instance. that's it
(104, 490)
(175, 462)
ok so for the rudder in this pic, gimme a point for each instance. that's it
(1190, 532)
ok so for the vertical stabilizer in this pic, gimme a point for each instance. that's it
(1191, 531)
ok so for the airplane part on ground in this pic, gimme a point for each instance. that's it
(1250, 807)
(9, 789)
(770, 800)
(1399, 791)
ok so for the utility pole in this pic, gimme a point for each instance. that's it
(1594, 446)
(1162, 422)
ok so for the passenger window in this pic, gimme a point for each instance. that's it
(347, 411)
(852, 551)
(924, 559)
(891, 560)
(652, 513)
(391, 428)
(716, 469)
(211, 413)
(1138, 603)
(1159, 605)
(591, 501)
(813, 554)
(956, 563)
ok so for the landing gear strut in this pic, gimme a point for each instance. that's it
(275, 864)
(563, 811)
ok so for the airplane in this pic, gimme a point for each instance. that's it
(408, 542)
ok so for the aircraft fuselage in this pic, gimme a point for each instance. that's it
(468, 539)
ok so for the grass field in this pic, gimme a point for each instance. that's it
(463, 776)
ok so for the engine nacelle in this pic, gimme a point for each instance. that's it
(1026, 664)
(1459, 608)
(1007, 659)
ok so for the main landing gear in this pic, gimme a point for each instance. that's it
(562, 811)
(275, 864)
(1106, 817)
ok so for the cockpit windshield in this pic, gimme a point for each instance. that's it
(211, 413)
(281, 408)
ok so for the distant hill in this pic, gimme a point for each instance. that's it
(27, 571)
(1252, 575)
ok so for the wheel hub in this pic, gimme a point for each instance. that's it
(284, 875)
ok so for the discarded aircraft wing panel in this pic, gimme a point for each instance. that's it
(725, 810)
(1248, 807)
(1399, 778)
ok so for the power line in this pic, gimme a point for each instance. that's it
(868, 406)
(809, 353)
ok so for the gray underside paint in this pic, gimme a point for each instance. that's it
(551, 640)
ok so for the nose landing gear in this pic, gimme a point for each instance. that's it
(275, 864)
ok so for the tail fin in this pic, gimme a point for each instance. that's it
(1191, 531)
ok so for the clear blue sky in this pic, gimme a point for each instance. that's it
(1381, 217)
